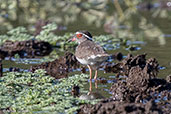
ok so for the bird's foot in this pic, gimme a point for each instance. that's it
(89, 93)
(95, 78)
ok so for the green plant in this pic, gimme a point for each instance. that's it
(38, 92)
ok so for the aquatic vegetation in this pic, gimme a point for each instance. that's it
(36, 92)
(39, 93)
(47, 34)
(59, 43)
(17, 34)
(21, 34)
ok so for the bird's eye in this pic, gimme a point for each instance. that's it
(79, 35)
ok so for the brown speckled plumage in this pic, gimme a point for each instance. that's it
(88, 52)
(88, 48)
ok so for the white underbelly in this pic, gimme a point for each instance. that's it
(83, 61)
(92, 60)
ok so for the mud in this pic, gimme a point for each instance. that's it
(29, 48)
(59, 68)
(124, 67)
(3, 54)
(1, 112)
(110, 106)
(168, 78)
(118, 56)
(1, 69)
(141, 82)
(75, 91)
(141, 92)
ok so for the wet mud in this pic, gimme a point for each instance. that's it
(141, 92)
(1, 69)
(118, 56)
(125, 66)
(110, 106)
(29, 49)
(59, 68)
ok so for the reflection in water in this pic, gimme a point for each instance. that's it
(125, 19)
(90, 85)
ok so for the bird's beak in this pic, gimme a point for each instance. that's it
(71, 39)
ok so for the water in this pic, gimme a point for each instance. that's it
(148, 30)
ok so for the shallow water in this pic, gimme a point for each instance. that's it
(156, 44)
(151, 47)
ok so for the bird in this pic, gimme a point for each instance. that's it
(88, 52)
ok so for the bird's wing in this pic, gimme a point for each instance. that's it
(90, 50)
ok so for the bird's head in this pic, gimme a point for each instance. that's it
(81, 36)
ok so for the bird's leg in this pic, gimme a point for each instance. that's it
(90, 70)
(96, 85)
(95, 77)
(90, 88)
